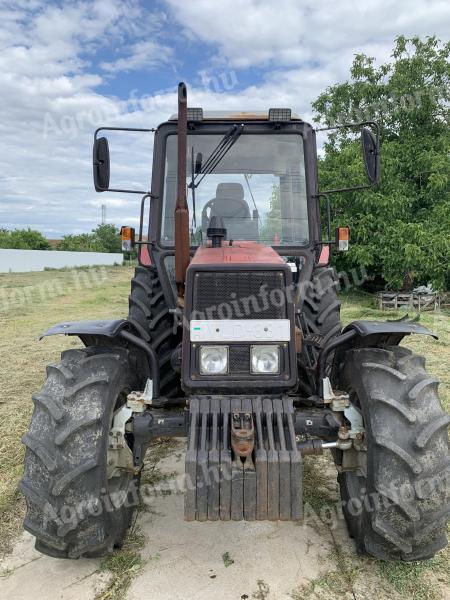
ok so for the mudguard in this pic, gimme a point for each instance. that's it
(386, 332)
(110, 329)
(365, 334)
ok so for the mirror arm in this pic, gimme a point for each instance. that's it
(349, 189)
(121, 129)
(141, 220)
(97, 163)
(123, 191)
(373, 124)
(140, 242)
(376, 127)
(329, 240)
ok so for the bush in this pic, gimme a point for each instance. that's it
(23, 239)
(104, 238)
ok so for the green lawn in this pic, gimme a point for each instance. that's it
(29, 304)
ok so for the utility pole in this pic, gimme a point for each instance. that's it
(103, 214)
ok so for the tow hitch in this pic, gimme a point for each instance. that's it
(242, 434)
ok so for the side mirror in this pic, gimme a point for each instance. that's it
(100, 164)
(371, 153)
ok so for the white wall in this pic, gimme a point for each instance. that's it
(21, 261)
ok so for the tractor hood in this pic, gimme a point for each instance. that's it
(237, 253)
(238, 302)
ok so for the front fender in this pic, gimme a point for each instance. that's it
(385, 332)
(110, 329)
(365, 334)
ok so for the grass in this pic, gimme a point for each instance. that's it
(263, 591)
(319, 491)
(227, 560)
(151, 473)
(29, 304)
(32, 302)
(347, 576)
(123, 565)
(418, 581)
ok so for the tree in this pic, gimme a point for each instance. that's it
(84, 242)
(23, 239)
(272, 226)
(104, 238)
(109, 237)
(400, 232)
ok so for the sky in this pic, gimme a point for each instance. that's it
(67, 68)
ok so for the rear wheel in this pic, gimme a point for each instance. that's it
(76, 506)
(397, 508)
(150, 316)
(321, 321)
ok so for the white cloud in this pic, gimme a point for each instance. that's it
(50, 77)
(143, 55)
(246, 33)
(49, 109)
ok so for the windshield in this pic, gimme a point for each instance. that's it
(258, 188)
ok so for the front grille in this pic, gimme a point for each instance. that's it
(238, 295)
(239, 358)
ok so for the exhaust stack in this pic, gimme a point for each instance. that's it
(182, 245)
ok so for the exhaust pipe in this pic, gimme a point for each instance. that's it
(182, 245)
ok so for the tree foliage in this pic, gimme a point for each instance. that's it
(23, 239)
(273, 223)
(401, 231)
(104, 238)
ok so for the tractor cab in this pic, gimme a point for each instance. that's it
(251, 173)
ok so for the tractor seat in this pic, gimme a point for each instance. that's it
(230, 205)
(229, 202)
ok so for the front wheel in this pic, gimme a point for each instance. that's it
(398, 505)
(77, 505)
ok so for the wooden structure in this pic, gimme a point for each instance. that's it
(408, 300)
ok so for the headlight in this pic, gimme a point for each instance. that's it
(213, 360)
(265, 359)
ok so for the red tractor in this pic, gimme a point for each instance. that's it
(234, 340)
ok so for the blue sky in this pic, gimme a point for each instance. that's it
(68, 67)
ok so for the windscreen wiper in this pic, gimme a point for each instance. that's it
(228, 140)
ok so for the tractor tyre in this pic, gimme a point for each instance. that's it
(321, 320)
(321, 307)
(399, 507)
(75, 508)
(150, 316)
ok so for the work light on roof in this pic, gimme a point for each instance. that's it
(278, 115)
(194, 114)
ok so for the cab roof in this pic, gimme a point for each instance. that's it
(229, 115)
